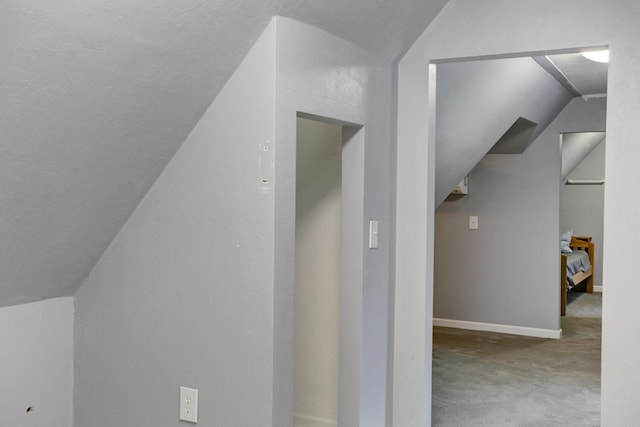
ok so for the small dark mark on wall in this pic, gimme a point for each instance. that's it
(30, 409)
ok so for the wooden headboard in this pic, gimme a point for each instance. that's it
(583, 243)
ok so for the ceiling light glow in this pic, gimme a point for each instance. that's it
(597, 55)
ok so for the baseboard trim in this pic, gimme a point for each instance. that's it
(300, 420)
(501, 329)
(597, 288)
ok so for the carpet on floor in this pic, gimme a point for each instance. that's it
(490, 379)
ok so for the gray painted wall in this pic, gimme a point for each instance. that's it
(498, 28)
(183, 296)
(511, 261)
(322, 75)
(36, 364)
(196, 290)
(582, 206)
(98, 96)
(477, 103)
(504, 272)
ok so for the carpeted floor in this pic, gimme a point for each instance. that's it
(488, 379)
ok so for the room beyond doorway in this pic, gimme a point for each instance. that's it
(502, 275)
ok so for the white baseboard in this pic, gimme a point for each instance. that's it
(597, 288)
(300, 420)
(501, 329)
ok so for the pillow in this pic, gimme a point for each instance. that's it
(565, 240)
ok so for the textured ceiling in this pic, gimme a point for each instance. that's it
(588, 77)
(96, 97)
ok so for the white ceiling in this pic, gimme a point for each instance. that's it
(588, 77)
(96, 96)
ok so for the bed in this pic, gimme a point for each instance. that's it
(576, 268)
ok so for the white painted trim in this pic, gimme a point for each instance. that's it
(597, 288)
(300, 420)
(501, 329)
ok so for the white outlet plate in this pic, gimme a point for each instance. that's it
(473, 222)
(189, 404)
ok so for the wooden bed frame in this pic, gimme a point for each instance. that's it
(581, 279)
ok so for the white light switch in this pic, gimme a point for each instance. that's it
(373, 234)
(189, 404)
(473, 222)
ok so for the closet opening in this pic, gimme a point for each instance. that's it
(582, 219)
(328, 271)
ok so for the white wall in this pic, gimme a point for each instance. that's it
(505, 27)
(197, 288)
(581, 206)
(36, 364)
(317, 272)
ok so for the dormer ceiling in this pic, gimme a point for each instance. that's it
(500, 106)
(495, 104)
(97, 96)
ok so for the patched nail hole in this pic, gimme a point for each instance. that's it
(265, 181)
(30, 409)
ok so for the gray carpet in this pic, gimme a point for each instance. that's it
(488, 379)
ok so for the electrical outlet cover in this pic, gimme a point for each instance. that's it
(189, 404)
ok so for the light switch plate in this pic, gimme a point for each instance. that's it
(373, 234)
(473, 222)
(189, 404)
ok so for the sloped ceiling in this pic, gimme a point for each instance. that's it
(479, 102)
(468, 85)
(576, 147)
(97, 96)
(586, 76)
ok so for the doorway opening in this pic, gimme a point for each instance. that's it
(328, 271)
(582, 195)
(496, 255)
(582, 225)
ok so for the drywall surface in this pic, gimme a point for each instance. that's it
(96, 97)
(503, 27)
(36, 364)
(323, 76)
(184, 295)
(478, 101)
(317, 270)
(576, 147)
(487, 275)
(197, 288)
(581, 206)
(506, 271)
